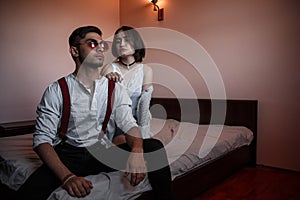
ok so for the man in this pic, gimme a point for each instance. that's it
(85, 150)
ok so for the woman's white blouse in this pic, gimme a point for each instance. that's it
(133, 84)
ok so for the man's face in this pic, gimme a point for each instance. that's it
(91, 50)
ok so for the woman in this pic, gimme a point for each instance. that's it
(128, 47)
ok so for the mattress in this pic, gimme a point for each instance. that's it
(188, 145)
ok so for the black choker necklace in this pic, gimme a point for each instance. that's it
(126, 65)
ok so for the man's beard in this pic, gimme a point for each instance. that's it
(85, 62)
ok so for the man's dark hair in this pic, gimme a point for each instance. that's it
(135, 40)
(81, 32)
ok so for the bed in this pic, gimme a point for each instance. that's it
(177, 124)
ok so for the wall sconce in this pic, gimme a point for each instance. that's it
(160, 11)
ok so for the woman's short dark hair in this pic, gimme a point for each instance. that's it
(81, 32)
(136, 41)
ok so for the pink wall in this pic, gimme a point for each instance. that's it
(34, 47)
(255, 46)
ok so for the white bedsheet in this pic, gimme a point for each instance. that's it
(191, 145)
(188, 145)
(18, 160)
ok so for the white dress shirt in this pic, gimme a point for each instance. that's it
(87, 113)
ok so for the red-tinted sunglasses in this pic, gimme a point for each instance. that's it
(92, 43)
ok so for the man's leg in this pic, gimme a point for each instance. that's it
(159, 171)
(43, 181)
(115, 158)
(39, 185)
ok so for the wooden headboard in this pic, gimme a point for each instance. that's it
(238, 112)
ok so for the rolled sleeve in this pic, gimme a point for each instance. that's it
(48, 116)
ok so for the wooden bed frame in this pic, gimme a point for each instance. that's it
(191, 184)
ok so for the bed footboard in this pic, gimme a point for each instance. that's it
(16, 128)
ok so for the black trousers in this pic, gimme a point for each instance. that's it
(83, 162)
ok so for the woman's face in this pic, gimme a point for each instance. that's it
(123, 45)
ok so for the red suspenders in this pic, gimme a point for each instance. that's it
(111, 87)
(62, 131)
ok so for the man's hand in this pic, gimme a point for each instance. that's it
(77, 186)
(114, 76)
(136, 167)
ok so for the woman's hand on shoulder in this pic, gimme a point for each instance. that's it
(108, 72)
(114, 76)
